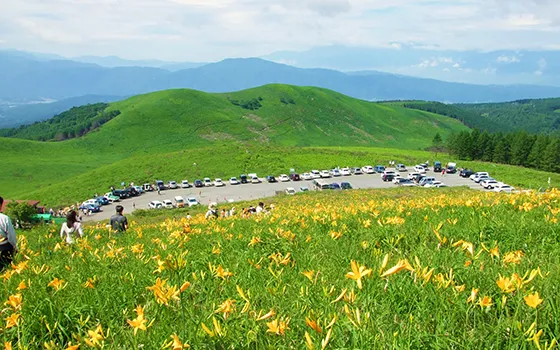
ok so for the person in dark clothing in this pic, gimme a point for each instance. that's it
(118, 222)
(8, 240)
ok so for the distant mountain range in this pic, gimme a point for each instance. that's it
(26, 78)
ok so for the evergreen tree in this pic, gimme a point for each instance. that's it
(464, 145)
(501, 151)
(485, 145)
(537, 151)
(521, 145)
(475, 151)
(551, 158)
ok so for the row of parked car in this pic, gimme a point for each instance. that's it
(483, 179)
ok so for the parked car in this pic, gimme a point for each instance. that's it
(315, 174)
(167, 204)
(132, 192)
(420, 169)
(140, 189)
(291, 191)
(334, 186)
(437, 167)
(346, 186)
(325, 174)
(172, 185)
(368, 169)
(179, 202)
(243, 179)
(451, 168)
(252, 175)
(91, 201)
(503, 188)
(160, 185)
(155, 205)
(284, 178)
(148, 187)
(198, 183)
(401, 167)
(191, 201)
(466, 173)
(357, 171)
(185, 184)
(219, 183)
(208, 182)
(111, 197)
(335, 173)
(412, 176)
(426, 180)
(233, 181)
(122, 194)
(306, 176)
(102, 200)
(489, 183)
(478, 174)
(255, 180)
(379, 169)
(346, 172)
(295, 177)
(404, 182)
(93, 207)
(271, 179)
(481, 178)
(425, 166)
(432, 184)
(388, 177)
(304, 188)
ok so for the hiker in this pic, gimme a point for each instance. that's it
(232, 211)
(260, 208)
(8, 240)
(223, 214)
(134, 205)
(71, 227)
(212, 212)
(118, 222)
(158, 190)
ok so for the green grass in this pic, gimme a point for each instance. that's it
(317, 233)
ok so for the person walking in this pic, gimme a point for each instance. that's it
(212, 212)
(118, 222)
(71, 227)
(8, 239)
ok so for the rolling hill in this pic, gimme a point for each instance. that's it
(174, 120)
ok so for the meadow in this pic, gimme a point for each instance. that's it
(365, 269)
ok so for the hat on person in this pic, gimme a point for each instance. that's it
(212, 205)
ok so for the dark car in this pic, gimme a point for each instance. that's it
(102, 200)
(346, 186)
(334, 186)
(198, 183)
(388, 177)
(92, 207)
(132, 192)
(466, 173)
(160, 185)
(379, 169)
(418, 178)
(243, 179)
(122, 194)
(437, 167)
(271, 179)
(294, 177)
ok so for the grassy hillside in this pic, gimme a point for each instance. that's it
(533, 116)
(394, 269)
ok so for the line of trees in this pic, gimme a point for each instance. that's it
(518, 148)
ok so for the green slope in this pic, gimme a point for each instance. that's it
(175, 120)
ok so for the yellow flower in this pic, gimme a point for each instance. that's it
(254, 241)
(72, 347)
(269, 314)
(12, 320)
(176, 344)
(22, 285)
(139, 322)
(505, 284)
(472, 297)
(533, 300)
(14, 301)
(402, 264)
(277, 327)
(90, 283)
(357, 273)
(309, 274)
(513, 257)
(486, 301)
(7, 346)
(164, 293)
(184, 286)
(56, 284)
(95, 337)
(313, 325)
(227, 307)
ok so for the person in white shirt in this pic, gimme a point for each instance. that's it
(8, 240)
(260, 208)
(71, 228)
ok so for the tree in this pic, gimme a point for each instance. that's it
(551, 158)
(437, 144)
(20, 212)
(535, 156)
(521, 145)
(501, 151)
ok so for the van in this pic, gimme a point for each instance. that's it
(321, 185)
(179, 202)
(427, 180)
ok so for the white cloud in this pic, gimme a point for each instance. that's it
(507, 59)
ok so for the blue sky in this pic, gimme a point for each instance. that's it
(210, 30)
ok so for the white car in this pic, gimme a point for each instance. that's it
(389, 172)
(168, 204)
(155, 205)
(255, 180)
(306, 176)
(427, 180)
(208, 182)
(283, 178)
(233, 181)
(325, 174)
(368, 169)
(345, 172)
(481, 178)
(290, 191)
(489, 183)
(185, 184)
(405, 182)
(335, 173)
(401, 167)
(219, 183)
(191, 201)
(503, 188)
(315, 174)
(172, 185)
(432, 184)
(420, 169)
(477, 174)
(412, 176)
(90, 201)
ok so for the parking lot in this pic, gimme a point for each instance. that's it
(247, 192)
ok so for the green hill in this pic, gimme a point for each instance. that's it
(175, 120)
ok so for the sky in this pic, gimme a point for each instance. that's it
(210, 30)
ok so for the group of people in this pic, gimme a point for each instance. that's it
(214, 213)
(70, 230)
